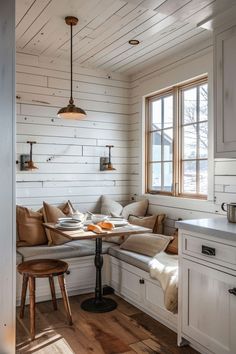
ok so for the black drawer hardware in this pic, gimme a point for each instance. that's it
(68, 272)
(141, 281)
(209, 251)
(232, 291)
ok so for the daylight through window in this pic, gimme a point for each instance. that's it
(177, 141)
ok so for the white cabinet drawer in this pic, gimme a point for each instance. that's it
(212, 251)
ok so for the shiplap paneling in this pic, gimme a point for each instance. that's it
(222, 173)
(106, 26)
(67, 153)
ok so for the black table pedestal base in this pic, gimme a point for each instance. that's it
(105, 305)
(98, 303)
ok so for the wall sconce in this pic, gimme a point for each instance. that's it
(26, 161)
(105, 162)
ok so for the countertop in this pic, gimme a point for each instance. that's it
(218, 227)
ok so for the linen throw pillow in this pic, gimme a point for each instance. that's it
(113, 208)
(30, 228)
(137, 208)
(173, 245)
(51, 213)
(147, 244)
(154, 222)
(110, 207)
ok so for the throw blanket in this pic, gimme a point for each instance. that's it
(164, 268)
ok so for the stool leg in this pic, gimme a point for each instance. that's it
(32, 306)
(61, 281)
(52, 287)
(23, 294)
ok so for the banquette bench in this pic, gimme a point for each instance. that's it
(125, 271)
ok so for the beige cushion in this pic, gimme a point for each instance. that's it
(173, 245)
(136, 259)
(154, 222)
(111, 207)
(51, 213)
(137, 208)
(148, 244)
(30, 228)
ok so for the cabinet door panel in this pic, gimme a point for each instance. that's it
(125, 282)
(209, 310)
(154, 295)
(225, 93)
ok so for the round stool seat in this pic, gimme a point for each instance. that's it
(43, 267)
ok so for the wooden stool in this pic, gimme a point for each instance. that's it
(42, 268)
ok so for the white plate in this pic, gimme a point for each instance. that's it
(96, 218)
(70, 223)
(65, 219)
(68, 228)
(120, 223)
(110, 218)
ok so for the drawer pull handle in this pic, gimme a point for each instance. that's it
(209, 251)
(232, 291)
(141, 281)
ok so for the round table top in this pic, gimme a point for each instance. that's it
(43, 267)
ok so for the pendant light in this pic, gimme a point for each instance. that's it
(71, 111)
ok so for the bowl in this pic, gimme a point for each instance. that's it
(98, 218)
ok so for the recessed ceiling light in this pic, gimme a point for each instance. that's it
(134, 41)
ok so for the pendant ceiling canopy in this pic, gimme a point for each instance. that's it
(71, 111)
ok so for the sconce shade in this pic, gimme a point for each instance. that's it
(31, 166)
(110, 167)
(71, 111)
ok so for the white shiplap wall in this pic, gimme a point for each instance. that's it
(67, 153)
(222, 172)
(114, 104)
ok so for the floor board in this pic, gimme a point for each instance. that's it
(126, 330)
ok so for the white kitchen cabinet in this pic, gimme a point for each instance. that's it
(207, 285)
(225, 92)
(209, 310)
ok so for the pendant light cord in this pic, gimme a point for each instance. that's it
(71, 67)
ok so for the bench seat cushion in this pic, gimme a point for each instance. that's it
(138, 260)
(72, 249)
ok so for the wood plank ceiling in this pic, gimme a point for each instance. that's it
(105, 27)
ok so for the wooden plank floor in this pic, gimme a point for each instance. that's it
(127, 330)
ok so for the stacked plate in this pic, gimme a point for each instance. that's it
(118, 221)
(68, 224)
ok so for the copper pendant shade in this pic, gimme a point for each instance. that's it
(71, 111)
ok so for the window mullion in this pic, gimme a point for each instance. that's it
(178, 142)
(197, 147)
(162, 148)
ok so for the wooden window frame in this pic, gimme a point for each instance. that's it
(161, 94)
(176, 91)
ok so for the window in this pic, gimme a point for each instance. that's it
(177, 141)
